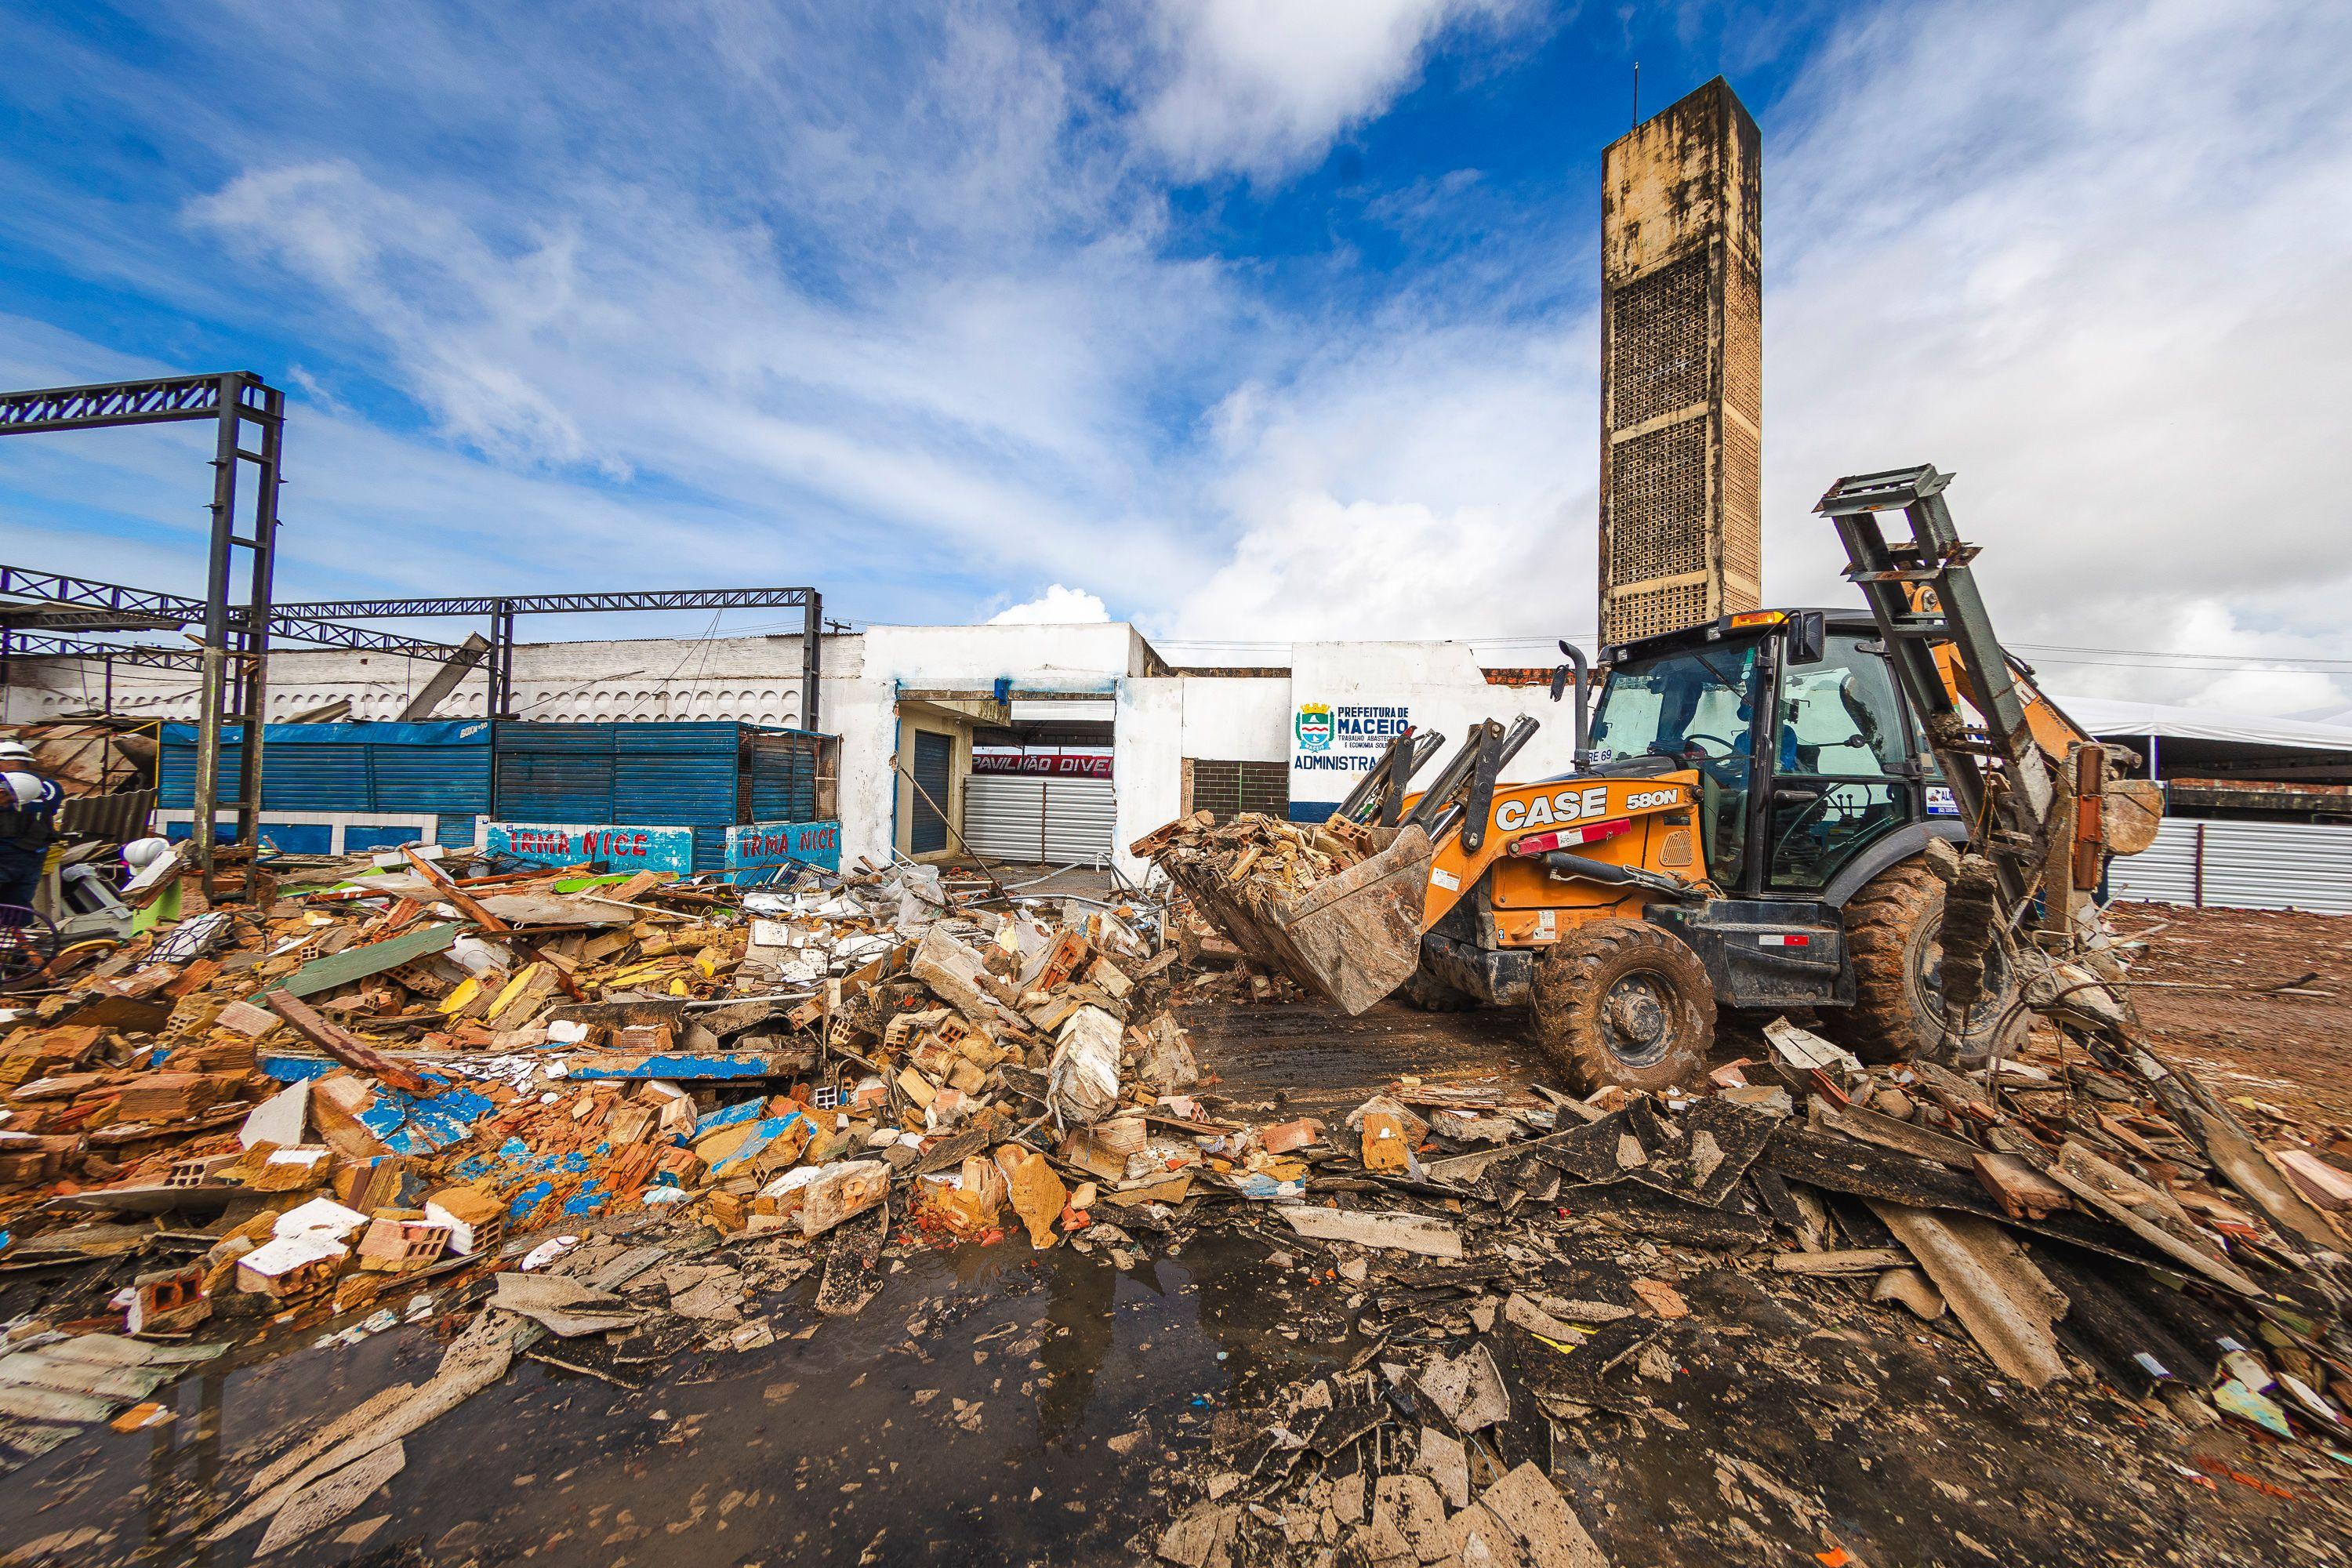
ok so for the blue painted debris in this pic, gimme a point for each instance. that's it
(727, 1116)
(1264, 1188)
(294, 1069)
(591, 1199)
(408, 1124)
(530, 1198)
(763, 1134)
(682, 1066)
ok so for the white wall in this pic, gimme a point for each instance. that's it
(756, 680)
(1041, 658)
(1240, 719)
(1147, 761)
(1442, 688)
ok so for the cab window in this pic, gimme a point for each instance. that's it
(1838, 785)
(1697, 705)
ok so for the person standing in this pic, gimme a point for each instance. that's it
(29, 800)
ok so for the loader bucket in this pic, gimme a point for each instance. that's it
(1353, 937)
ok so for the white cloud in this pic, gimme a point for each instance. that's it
(1261, 88)
(1414, 486)
(2091, 261)
(896, 301)
(1056, 606)
(2094, 268)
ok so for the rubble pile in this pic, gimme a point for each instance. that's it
(1515, 1272)
(1263, 861)
(628, 1114)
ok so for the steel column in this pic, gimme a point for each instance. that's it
(502, 653)
(213, 695)
(812, 659)
(253, 686)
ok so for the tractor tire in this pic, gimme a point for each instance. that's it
(1894, 929)
(1427, 993)
(1621, 1002)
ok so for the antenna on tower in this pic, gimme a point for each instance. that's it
(1637, 92)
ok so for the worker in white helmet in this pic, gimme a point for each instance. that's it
(29, 799)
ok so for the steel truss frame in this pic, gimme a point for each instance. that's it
(233, 659)
(502, 609)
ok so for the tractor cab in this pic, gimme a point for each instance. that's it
(1809, 764)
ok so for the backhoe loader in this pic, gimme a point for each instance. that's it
(1747, 826)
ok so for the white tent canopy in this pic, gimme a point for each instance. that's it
(2110, 719)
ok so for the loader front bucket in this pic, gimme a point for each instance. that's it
(1354, 936)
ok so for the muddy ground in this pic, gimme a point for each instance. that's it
(2291, 1050)
(997, 1406)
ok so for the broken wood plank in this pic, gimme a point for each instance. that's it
(2104, 1188)
(466, 902)
(1854, 1260)
(2023, 1191)
(1888, 1132)
(345, 1047)
(372, 958)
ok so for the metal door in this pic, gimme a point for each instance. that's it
(934, 756)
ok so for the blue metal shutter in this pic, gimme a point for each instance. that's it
(934, 760)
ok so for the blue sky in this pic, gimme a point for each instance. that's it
(1246, 322)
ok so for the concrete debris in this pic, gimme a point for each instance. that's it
(1405, 1232)
(664, 1123)
(2008, 1307)
(1467, 1389)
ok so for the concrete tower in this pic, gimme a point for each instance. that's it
(1681, 368)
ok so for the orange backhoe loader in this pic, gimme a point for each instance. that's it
(1747, 826)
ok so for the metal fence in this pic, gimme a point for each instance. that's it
(2242, 866)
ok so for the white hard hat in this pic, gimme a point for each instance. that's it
(16, 752)
(26, 789)
(142, 852)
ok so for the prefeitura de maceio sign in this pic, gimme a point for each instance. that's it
(759, 847)
(614, 845)
(1332, 742)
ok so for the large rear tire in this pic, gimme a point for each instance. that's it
(1894, 935)
(1621, 1002)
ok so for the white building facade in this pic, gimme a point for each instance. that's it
(1053, 743)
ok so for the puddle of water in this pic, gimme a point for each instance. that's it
(804, 1447)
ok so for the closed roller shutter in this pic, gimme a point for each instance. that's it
(1004, 818)
(1034, 820)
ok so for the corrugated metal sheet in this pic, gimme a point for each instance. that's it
(658, 774)
(429, 778)
(364, 767)
(1004, 818)
(783, 777)
(2242, 866)
(553, 786)
(1054, 821)
(934, 765)
(684, 788)
(316, 778)
(701, 735)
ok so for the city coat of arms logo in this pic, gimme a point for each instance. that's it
(1314, 727)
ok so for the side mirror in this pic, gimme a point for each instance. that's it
(1808, 638)
(1575, 673)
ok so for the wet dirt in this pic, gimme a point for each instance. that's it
(2292, 1051)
